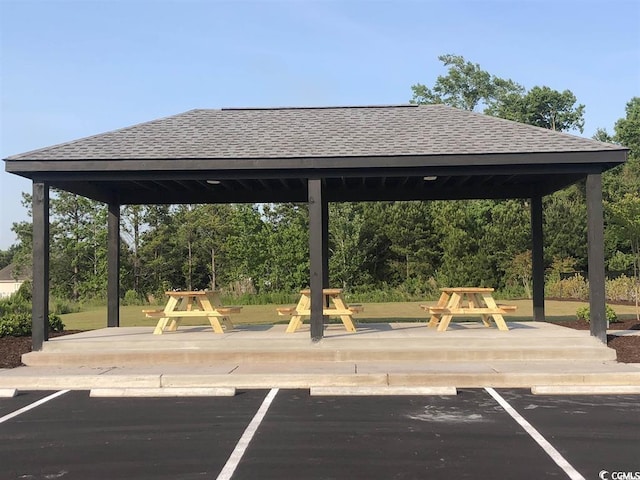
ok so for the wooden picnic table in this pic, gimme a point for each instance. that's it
(336, 307)
(469, 301)
(201, 303)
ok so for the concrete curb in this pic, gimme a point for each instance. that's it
(586, 390)
(163, 392)
(469, 379)
(8, 392)
(624, 333)
(293, 380)
(79, 382)
(376, 391)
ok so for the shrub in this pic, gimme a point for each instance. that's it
(622, 289)
(14, 304)
(60, 306)
(19, 324)
(55, 323)
(575, 287)
(131, 297)
(15, 325)
(584, 313)
(25, 292)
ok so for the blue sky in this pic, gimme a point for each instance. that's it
(75, 68)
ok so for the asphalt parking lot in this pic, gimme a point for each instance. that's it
(289, 434)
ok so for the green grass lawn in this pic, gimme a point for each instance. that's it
(132, 315)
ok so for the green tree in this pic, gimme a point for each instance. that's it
(247, 257)
(287, 233)
(460, 226)
(345, 236)
(506, 236)
(376, 244)
(186, 238)
(565, 221)
(627, 133)
(160, 263)
(6, 256)
(520, 270)
(24, 233)
(78, 256)
(212, 227)
(466, 86)
(542, 107)
(132, 225)
(413, 248)
(625, 219)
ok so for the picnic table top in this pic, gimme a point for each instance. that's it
(326, 291)
(466, 289)
(185, 293)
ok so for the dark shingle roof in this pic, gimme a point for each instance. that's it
(317, 132)
(12, 273)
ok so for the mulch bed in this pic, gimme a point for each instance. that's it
(627, 348)
(12, 348)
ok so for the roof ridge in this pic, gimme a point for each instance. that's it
(320, 107)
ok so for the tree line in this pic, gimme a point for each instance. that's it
(409, 247)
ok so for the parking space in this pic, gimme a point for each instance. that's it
(594, 433)
(468, 435)
(11, 404)
(75, 436)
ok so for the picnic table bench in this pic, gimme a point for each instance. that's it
(469, 301)
(331, 296)
(189, 304)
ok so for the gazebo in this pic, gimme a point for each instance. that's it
(318, 155)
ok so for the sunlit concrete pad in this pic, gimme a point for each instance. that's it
(163, 392)
(381, 390)
(378, 354)
(586, 390)
(8, 392)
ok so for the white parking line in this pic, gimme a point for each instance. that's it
(243, 443)
(546, 446)
(32, 405)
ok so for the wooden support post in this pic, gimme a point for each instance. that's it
(40, 296)
(595, 251)
(537, 255)
(113, 265)
(316, 253)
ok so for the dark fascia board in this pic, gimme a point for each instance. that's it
(31, 168)
(468, 170)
